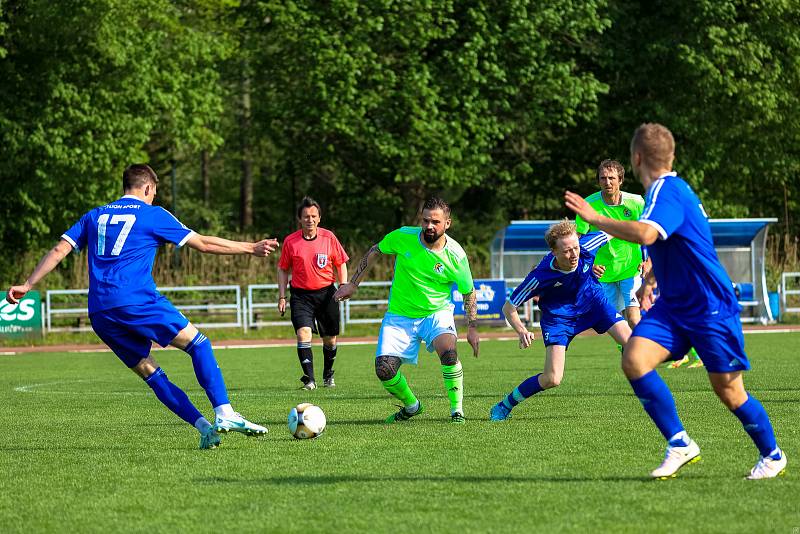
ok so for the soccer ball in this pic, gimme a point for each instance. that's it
(306, 421)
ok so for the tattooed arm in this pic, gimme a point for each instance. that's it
(347, 290)
(471, 311)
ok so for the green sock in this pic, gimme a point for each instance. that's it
(693, 354)
(398, 387)
(454, 384)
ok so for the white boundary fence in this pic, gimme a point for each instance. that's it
(230, 305)
(243, 311)
(788, 292)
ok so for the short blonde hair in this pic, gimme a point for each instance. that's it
(563, 228)
(655, 143)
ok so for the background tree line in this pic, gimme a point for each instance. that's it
(371, 106)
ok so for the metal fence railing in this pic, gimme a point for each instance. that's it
(65, 310)
(227, 307)
(786, 293)
(208, 306)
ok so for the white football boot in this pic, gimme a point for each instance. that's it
(675, 458)
(237, 423)
(209, 439)
(768, 467)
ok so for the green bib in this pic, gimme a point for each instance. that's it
(620, 258)
(422, 277)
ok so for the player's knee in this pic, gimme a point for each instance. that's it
(550, 380)
(731, 397)
(386, 367)
(449, 357)
(629, 366)
(304, 334)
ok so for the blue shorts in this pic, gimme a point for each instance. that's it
(557, 330)
(130, 330)
(718, 342)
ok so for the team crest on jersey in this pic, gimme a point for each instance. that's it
(438, 268)
(626, 212)
(322, 260)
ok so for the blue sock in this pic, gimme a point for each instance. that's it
(173, 397)
(207, 371)
(657, 401)
(756, 422)
(528, 388)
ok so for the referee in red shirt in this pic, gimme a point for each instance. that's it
(311, 254)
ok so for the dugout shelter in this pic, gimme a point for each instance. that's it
(740, 245)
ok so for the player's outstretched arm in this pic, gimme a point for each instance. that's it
(46, 264)
(512, 316)
(471, 311)
(347, 290)
(218, 245)
(633, 231)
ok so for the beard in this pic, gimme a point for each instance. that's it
(431, 237)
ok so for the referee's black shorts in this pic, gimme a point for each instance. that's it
(315, 309)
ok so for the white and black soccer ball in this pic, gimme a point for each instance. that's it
(306, 421)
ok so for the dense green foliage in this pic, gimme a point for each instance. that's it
(371, 106)
(96, 445)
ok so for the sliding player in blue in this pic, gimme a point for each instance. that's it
(126, 310)
(571, 299)
(696, 306)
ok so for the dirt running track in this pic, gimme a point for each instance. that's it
(263, 343)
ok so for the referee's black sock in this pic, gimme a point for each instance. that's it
(306, 357)
(330, 356)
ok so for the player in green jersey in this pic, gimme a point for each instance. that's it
(427, 263)
(620, 261)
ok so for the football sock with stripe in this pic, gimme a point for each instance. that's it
(454, 385)
(756, 423)
(657, 401)
(173, 397)
(398, 387)
(207, 370)
(306, 357)
(526, 389)
(329, 354)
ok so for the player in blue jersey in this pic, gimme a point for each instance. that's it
(696, 306)
(126, 310)
(571, 299)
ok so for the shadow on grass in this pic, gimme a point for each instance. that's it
(365, 479)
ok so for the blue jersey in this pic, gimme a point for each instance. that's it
(693, 284)
(122, 238)
(564, 293)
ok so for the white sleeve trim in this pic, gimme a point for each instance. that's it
(69, 240)
(187, 238)
(661, 233)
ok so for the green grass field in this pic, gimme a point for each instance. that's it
(87, 447)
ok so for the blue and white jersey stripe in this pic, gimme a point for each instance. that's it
(123, 239)
(564, 293)
(692, 283)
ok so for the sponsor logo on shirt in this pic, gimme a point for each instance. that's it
(438, 268)
(322, 260)
(585, 268)
(557, 284)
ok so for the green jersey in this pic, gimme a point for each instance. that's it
(620, 258)
(423, 277)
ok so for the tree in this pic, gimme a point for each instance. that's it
(86, 86)
(389, 101)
